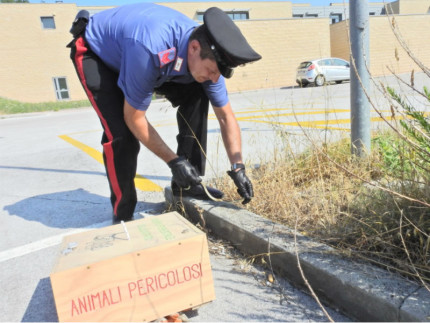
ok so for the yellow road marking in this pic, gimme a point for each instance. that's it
(140, 181)
(164, 124)
(294, 114)
(317, 124)
(146, 185)
(94, 153)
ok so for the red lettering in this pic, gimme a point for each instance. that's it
(159, 281)
(97, 297)
(186, 271)
(82, 305)
(112, 301)
(89, 302)
(74, 308)
(92, 302)
(119, 293)
(156, 282)
(196, 272)
(177, 277)
(131, 288)
(105, 299)
(142, 290)
(149, 282)
(173, 281)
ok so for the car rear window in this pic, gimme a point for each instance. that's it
(305, 64)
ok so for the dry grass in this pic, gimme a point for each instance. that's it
(357, 207)
(378, 208)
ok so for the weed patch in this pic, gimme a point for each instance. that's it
(12, 106)
(357, 208)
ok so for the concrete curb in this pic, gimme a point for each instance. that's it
(362, 291)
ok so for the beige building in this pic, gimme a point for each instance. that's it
(253, 10)
(36, 66)
(33, 39)
(406, 7)
(385, 50)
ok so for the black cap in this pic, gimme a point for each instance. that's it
(228, 45)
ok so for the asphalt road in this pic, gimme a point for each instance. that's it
(53, 183)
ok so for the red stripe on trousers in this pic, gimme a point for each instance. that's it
(81, 49)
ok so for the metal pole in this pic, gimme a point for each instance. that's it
(360, 111)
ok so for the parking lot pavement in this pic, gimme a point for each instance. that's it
(53, 184)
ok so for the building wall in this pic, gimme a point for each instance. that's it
(32, 56)
(385, 49)
(94, 9)
(282, 49)
(393, 7)
(339, 40)
(414, 6)
(257, 10)
(335, 8)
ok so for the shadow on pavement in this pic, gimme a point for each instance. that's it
(63, 171)
(42, 305)
(69, 209)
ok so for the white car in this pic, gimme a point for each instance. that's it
(321, 71)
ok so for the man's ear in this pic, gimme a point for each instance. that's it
(194, 45)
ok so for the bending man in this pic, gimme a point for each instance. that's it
(126, 54)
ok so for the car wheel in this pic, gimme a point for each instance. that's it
(319, 80)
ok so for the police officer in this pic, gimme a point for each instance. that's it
(126, 54)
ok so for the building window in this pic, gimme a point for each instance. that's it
(297, 15)
(335, 17)
(371, 13)
(61, 89)
(233, 14)
(312, 15)
(48, 22)
(238, 15)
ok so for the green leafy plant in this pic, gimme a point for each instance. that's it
(416, 126)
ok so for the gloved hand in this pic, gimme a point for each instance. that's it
(244, 185)
(184, 174)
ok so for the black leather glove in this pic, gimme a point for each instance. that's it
(184, 174)
(244, 185)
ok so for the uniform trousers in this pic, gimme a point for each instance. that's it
(120, 147)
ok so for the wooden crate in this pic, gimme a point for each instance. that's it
(164, 267)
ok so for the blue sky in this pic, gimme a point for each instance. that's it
(120, 2)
